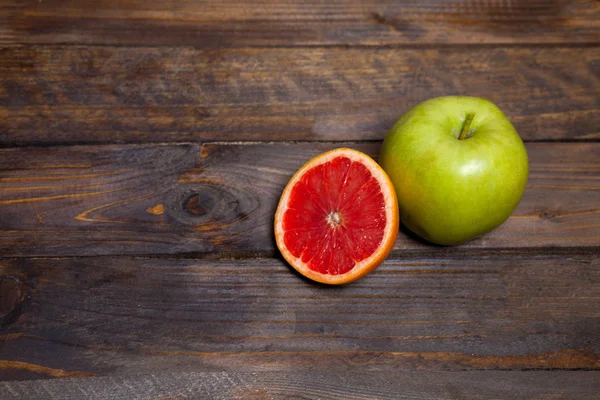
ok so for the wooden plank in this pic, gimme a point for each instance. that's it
(322, 385)
(105, 95)
(217, 23)
(504, 310)
(221, 198)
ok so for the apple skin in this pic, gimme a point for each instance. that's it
(450, 190)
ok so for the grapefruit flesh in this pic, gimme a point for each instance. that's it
(337, 218)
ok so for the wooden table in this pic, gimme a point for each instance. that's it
(144, 148)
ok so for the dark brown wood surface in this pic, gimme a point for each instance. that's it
(221, 198)
(143, 149)
(217, 23)
(455, 311)
(56, 95)
(329, 385)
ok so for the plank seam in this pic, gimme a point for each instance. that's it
(32, 145)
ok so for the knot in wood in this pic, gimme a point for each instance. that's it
(198, 204)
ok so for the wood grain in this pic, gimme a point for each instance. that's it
(323, 385)
(105, 94)
(220, 199)
(503, 310)
(216, 23)
(137, 255)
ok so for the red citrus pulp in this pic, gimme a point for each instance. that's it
(337, 218)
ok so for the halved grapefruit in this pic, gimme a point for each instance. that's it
(337, 218)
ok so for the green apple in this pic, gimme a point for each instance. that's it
(458, 166)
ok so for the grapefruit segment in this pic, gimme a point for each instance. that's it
(337, 218)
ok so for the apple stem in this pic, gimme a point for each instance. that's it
(465, 128)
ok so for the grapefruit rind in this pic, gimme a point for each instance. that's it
(366, 265)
